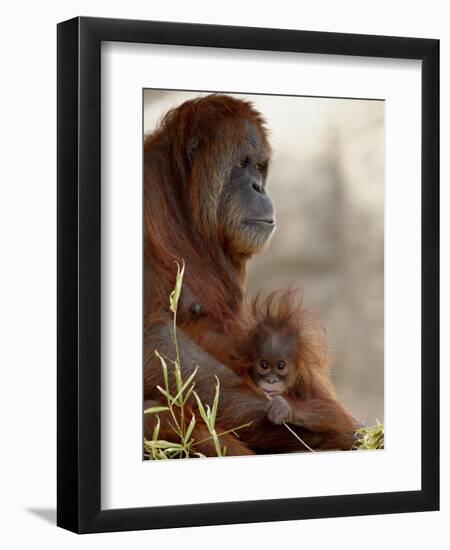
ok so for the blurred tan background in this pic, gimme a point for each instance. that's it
(327, 182)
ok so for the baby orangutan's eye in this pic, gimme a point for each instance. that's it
(281, 365)
(264, 365)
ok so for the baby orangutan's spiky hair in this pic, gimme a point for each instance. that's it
(285, 313)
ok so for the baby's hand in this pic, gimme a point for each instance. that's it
(278, 410)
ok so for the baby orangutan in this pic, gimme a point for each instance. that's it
(273, 367)
(285, 356)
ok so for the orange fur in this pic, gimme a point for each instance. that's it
(187, 161)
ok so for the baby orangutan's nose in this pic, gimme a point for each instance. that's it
(271, 379)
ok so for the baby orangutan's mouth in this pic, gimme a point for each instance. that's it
(271, 391)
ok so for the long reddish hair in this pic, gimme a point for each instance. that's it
(192, 152)
(286, 311)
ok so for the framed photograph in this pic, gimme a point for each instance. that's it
(248, 275)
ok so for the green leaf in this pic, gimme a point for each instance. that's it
(190, 429)
(188, 392)
(175, 294)
(185, 385)
(165, 393)
(201, 408)
(215, 402)
(155, 433)
(162, 444)
(156, 409)
(164, 368)
(178, 380)
(370, 437)
(216, 442)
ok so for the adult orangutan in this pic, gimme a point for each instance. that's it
(205, 202)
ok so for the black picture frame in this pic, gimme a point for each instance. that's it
(79, 275)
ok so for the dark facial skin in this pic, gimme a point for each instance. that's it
(244, 202)
(270, 377)
(273, 366)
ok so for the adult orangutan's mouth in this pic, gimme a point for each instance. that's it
(267, 222)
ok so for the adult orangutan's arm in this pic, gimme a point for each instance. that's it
(238, 405)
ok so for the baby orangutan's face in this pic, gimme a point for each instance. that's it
(273, 360)
(271, 376)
